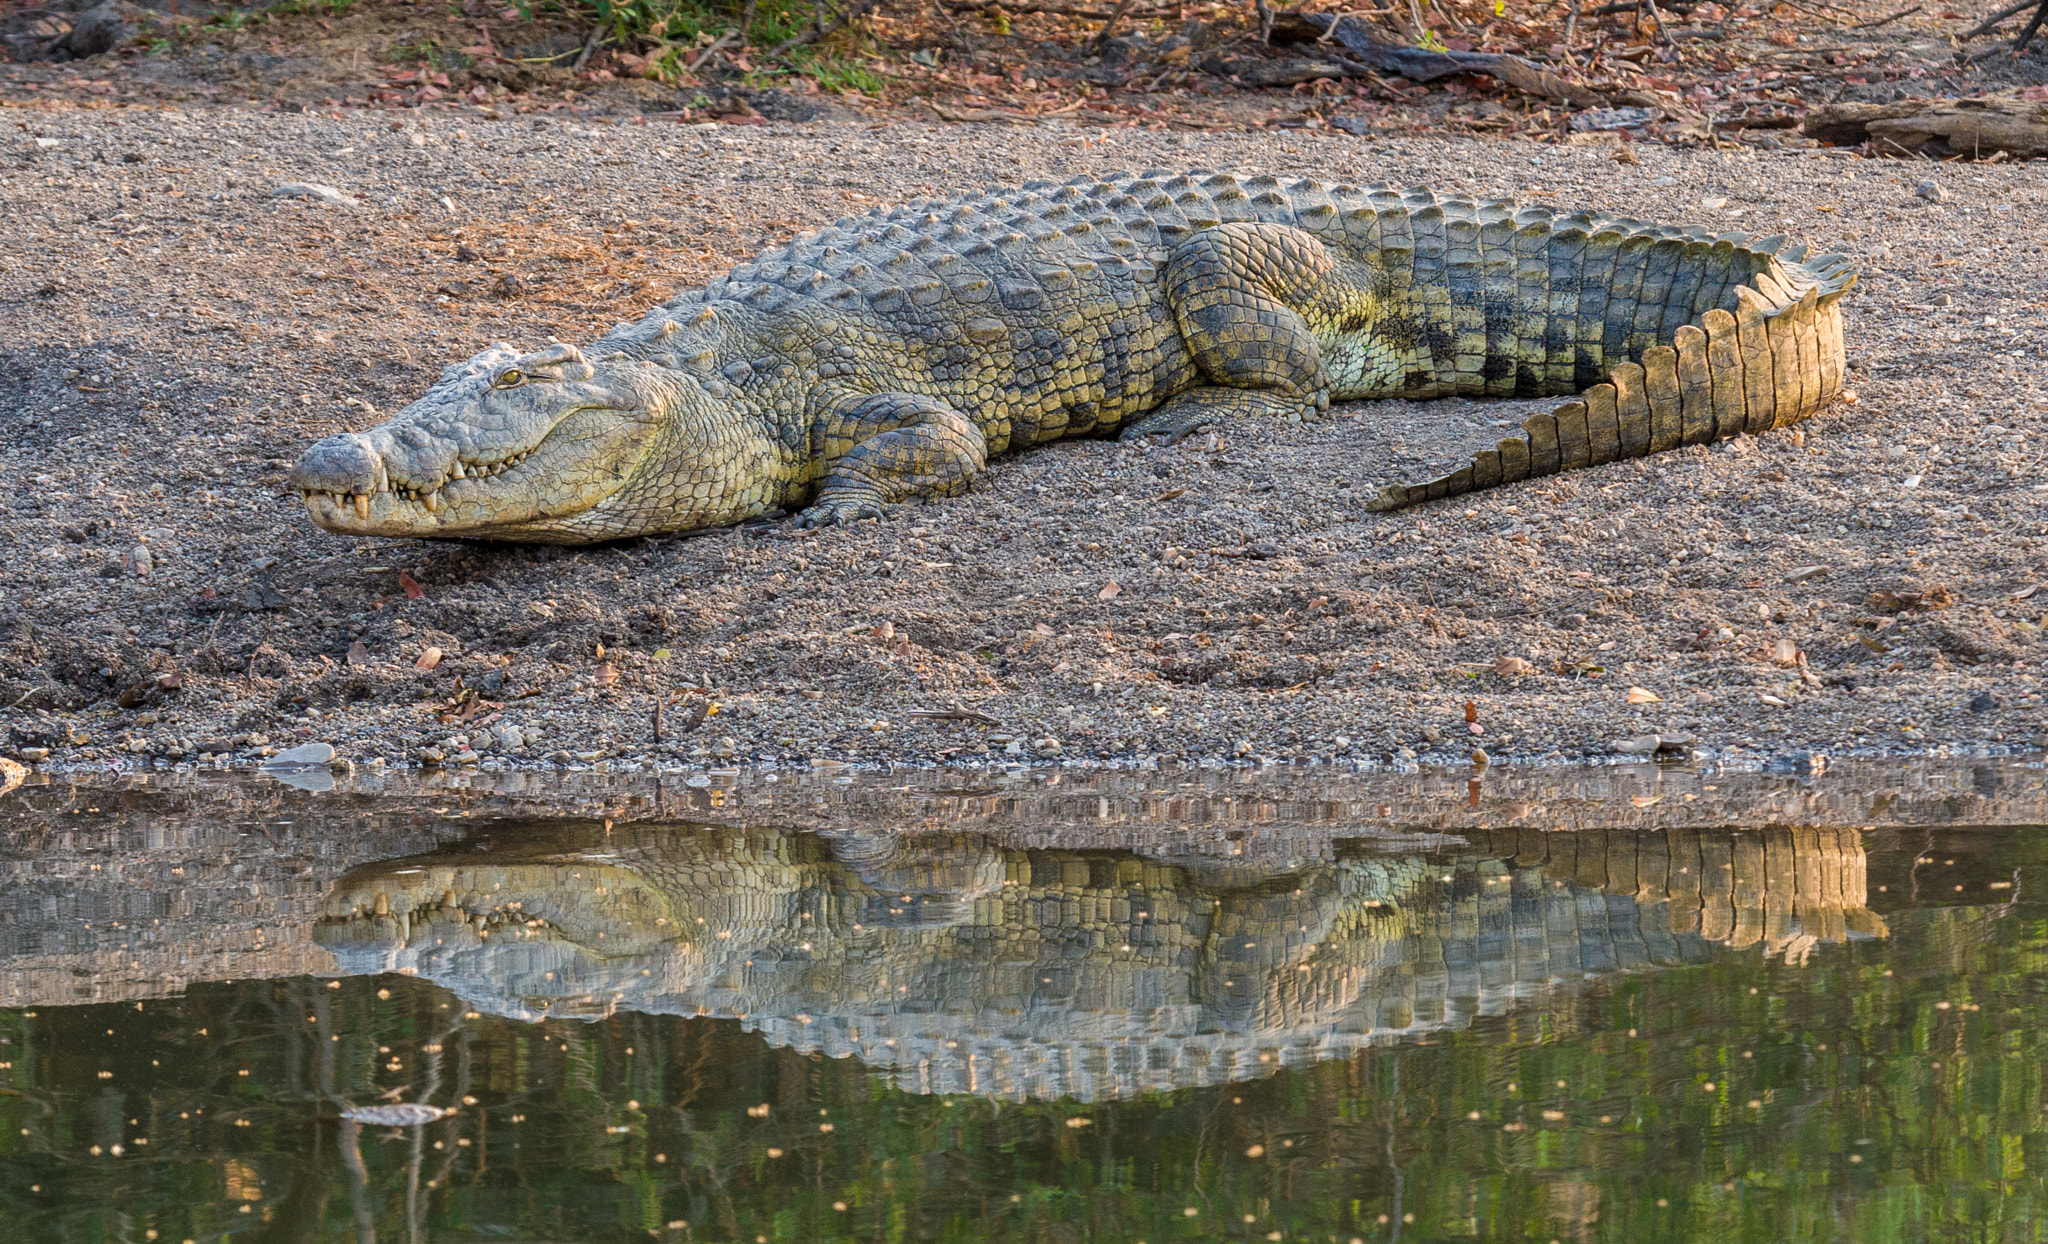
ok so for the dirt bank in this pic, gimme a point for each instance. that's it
(175, 333)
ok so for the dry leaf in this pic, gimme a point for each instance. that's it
(1109, 591)
(885, 632)
(1471, 712)
(1804, 573)
(1643, 695)
(1170, 494)
(358, 654)
(2026, 592)
(428, 659)
(413, 590)
(1774, 701)
(604, 675)
(1783, 652)
(1512, 667)
(903, 647)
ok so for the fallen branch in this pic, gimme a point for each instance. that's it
(1054, 10)
(1418, 65)
(1935, 128)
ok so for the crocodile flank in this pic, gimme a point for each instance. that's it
(889, 356)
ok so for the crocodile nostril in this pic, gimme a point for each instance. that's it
(340, 464)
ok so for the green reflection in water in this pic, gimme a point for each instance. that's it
(1619, 1036)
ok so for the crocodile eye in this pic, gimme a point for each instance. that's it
(508, 379)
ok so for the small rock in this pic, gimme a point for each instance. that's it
(35, 755)
(304, 756)
(510, 737)
(432, 755)
(1811, 763)
(1931, 190)
(1433, 734)
(725, 748)
(1242, 748)
(1048, 748)
(1480, 759)
(1640, 745)
(1510, 667)
(141, 560)
(313, 190)
(1985, 701)
(1941, 300)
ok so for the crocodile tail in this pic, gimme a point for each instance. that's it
(1770, 361)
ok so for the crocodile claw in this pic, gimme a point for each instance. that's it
(837, 512)
(1176, 428)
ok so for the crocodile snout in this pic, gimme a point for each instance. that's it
(346, 464)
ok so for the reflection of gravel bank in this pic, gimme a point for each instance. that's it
(181, 334)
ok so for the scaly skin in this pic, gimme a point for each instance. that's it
(953, 957)
(890, 356)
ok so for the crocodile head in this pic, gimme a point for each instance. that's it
(544, 933)
(548, 447)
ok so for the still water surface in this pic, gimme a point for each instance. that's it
(744, 1031)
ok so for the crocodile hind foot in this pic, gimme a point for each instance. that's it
(1199, 408)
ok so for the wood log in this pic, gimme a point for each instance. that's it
(1979, 126)
(1372, 49)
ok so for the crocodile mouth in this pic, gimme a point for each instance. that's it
(407, 480)
(331, 507)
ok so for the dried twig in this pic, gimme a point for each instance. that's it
(697, 62)
(851, 15)
(1109, 27)
(955, 713)
(1886, 21)
(1992, 21)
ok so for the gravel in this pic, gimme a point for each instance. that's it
(179, 331)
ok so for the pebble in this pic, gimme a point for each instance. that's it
(304, 756)
(1931, 190)
(313, 190)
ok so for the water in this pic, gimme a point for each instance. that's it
(1611, 1005)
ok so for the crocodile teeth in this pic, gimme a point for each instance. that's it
(456, 471)
(363, 506)
(432, 501)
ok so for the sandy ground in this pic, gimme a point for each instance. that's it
(175, 334)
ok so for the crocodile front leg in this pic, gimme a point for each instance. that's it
(886, 448)
(1254, 302)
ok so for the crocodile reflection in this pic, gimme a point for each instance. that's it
(955, 964)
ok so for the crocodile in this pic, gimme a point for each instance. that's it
(959, 963)
(887, 357)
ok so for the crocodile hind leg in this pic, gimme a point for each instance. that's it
(1249, 299)
(886, 448)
